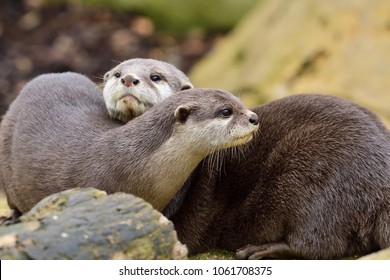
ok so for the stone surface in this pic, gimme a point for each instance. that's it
(288, 47)
(89, 224)
(380, 255)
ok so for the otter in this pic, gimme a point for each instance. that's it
(313, 184)
(137, 84)
(57, 135)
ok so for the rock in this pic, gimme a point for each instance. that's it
(89, 224)
(4, 210)
(380, 255)
(288, 47)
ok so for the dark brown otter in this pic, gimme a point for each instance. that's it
(57, 135)
(314, 183)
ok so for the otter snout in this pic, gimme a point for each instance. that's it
(254, 119)
(129, 81)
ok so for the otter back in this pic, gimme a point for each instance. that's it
(314, 183)
(57, 135)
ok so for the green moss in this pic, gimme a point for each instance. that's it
(141, 249)
(240, 56)
(214, 255)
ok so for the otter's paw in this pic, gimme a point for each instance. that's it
(277, 250)
(11, 218)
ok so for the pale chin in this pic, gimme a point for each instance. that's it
(240, 141)
(243, 140)
(128, 98)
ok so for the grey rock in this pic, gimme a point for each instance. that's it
(89, 224)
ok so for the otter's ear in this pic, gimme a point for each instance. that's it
(186, 86)
(105, 77)
(182, 112)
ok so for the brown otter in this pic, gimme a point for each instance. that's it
(137, 84)
(56, 135)
(314, 184)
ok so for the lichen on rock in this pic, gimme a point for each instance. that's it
(89, 224)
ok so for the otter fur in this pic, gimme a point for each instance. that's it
(57, 135)
(314, 183)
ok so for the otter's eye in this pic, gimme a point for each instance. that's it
(155, 78)
(117, 74)
(227, 112)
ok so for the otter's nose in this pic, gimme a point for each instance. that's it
(129, 80)
(254, 119)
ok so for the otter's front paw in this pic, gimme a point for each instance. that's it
(277, 250)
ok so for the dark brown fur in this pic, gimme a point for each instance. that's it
(57, 135)
(314, 183)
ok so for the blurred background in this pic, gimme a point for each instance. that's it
(91, 36)
(260, 50)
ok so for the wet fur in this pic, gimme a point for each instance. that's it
(314, 183)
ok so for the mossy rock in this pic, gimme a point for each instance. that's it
(288, 47)
(89, 224)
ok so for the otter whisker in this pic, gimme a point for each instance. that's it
(99, 76)
(116, 61)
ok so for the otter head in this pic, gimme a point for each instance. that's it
(137, 84)
(215, 120)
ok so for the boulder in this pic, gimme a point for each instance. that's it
(288, 47)
(89, 224)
